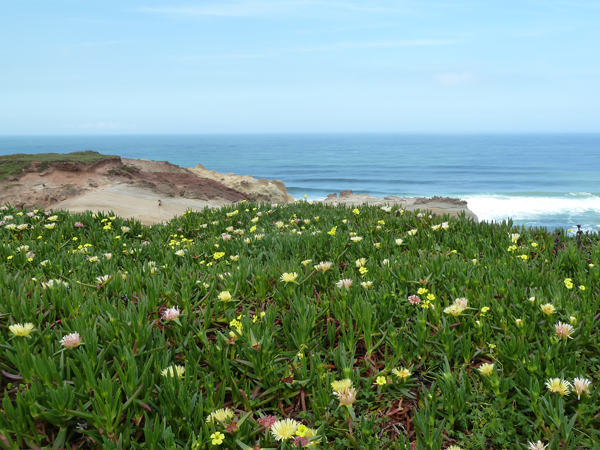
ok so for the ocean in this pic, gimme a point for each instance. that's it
(543, 180)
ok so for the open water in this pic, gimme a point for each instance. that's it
(549, 180)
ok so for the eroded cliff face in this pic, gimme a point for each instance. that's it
(45, 184)
(259, 190)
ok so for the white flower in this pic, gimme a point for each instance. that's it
(71, 340)
(171, 313)
(103, 279)
(399, 241)
(537, 445)
(581, 385)
(345, 283)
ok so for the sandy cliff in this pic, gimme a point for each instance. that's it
(259, 190)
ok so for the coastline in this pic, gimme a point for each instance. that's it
(156, 191)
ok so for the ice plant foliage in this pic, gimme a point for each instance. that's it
(355, 329)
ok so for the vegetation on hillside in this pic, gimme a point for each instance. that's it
(298, 326)
(13, 165)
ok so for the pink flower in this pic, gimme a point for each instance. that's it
(171, 313)
(267, 422)
(78, 224)
(414, 299)
(71, 340)
(226, 237)
(30, 214)
(30, 255)
(301, 439)
(146, 243)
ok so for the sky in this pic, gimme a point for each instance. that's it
(279, 66)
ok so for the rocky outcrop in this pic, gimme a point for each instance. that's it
(436, 205)
(259, 190)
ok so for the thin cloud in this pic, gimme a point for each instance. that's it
(225, 56)
(97, 44)
(381, 44)
(453, 78)
(100, 126)
(254, 8)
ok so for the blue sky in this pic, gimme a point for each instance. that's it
(110, 67)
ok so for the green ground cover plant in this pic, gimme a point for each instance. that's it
(13, 165)
(259, 326)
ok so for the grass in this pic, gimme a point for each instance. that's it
(198, 334)
(13, 165)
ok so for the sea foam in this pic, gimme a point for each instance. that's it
(564, 210)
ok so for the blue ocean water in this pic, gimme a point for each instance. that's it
(550, 180)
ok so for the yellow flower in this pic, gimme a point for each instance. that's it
(285, 429)
(236, 324)
(306, 262)
(173, 371)
(422, 291)
(217, 438)
(524, 257)
(234, 257)
(582, 288)
(381, 380)
(485, 309)
(50, 226)
(558, 386)
(363, 270)
(301, 430)
(367, 284)
(289, 277)
(332, 231)
(52, 218)
(412, 232)
(225, 296)
(21, 330)
(218, 255)
(360, 262)
(486, 369)
(404, 373)
(338, 385)
(377, 245)
(430, 297)
(222, 415)
(356, 211)
(548, 308)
